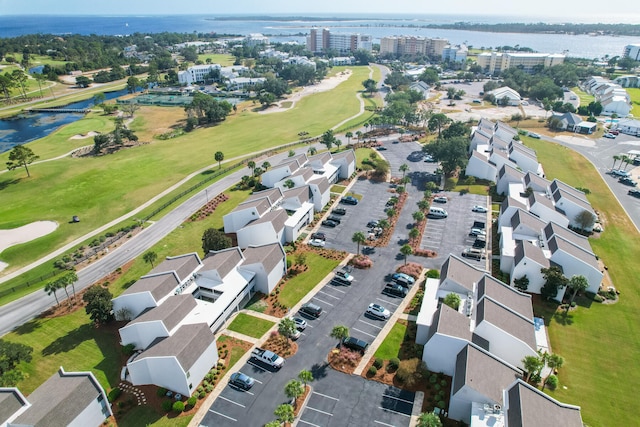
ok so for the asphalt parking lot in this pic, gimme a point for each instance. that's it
(338, 403)
(339, 399)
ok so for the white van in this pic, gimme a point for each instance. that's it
(437, 213)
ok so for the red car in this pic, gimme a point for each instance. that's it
(614, 132)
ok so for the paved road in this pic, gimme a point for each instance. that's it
(600, 153)
(20, 311)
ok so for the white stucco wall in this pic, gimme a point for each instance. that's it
(201, 367)
(507, 347)
(161, 371)
(135, 303)
(548, 215)
(272, 176)
(481, 169)
(259, 234)
(92, 416)
(142, 334)
(460, 404)
(572, 266)
(532, 270)
(440, 353)
(234, 221)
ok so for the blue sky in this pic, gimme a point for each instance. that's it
(628, 12)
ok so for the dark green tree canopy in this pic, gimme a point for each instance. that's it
(214, 240)
(21, 156)
(99, 304)
(11, 354)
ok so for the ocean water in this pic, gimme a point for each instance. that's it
(294, 28)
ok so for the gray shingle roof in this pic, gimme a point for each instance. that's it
(171, 312)
(261, 205)
(272, 194)
(448, 321)
(11, 401)
(183, 265)
(277, 218)
(557, 184)
(348, 155)
(187, 344)
(496, 314)
(529, 407)
(300, 192)
(531, 251)
(322, 158)
(510, 171)
(268, 255)
(305, 173)
(511, 202)
(554, 229)
(223, 261)
(459, 271)
(556, 243)
(159, 285)
(523, 217)
(483, 373)
(59, 400)
(322, 183)
(504, 294)
(536, 182)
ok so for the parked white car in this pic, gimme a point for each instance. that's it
(317, 243)
(378, 311)
(478, 208)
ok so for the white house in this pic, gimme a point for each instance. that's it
(571, 201)
(179, 362)
(159, 322)
(506, 96)
(421, 87)
(528, 260)
(74, 399)
(542, 206)
(508, 175)
(197, 73)
(296, 202)
(170, 277)
(480, 167)
(346, 162)
(269, 228)
(268, 263)
(256, 205)
(244, 83)
(449, 333)
(629, 126)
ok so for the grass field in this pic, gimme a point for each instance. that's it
(600, 343)
(299, 286)
(147, 416)
(100, 189)
(634, 92)
(390, 347)
(585, 98)
(236, 352)
(218, 58)
(250, 325)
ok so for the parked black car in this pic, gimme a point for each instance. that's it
(310, 309)
(349, 200)
(395, 290)
(339, 211)
(355, 344)
(329, 223)
(319, 235)
(334, 218)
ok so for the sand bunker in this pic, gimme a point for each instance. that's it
(323, 86)
(26, 233)
(88, 135)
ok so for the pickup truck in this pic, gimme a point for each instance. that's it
(268, 357)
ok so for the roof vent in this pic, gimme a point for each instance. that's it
(497, 408)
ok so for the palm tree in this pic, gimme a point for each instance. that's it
(251, 165)
(418, 216)
(403, 168)
(219, 156)
(348, 135)
(414, 233)
(626, 160)
(615, 160)
(577, 283)
(305, 376)
(429, 419)
(554, 362)
(286, 328)
(285, 413)
(531, 365)
(406, 250)
(339, 332)
(266, 165)
(293, 389)
(51, 288)
(358, 238)
(61, 283)
(358, 135)
(312, 151)
(391, 213)
(423, 205)
(71, 278)
(150, 257)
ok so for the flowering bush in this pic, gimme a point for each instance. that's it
(361, 261)
(413, 269)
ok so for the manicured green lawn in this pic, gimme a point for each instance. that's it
(634, 92)
(479, 189)
(72, 342)
(299, 286)
(250, 325)
(236, 352)
(390, 347)
(585, 98)
(146, 416)
(218, 58)
(361, 154)
(337, 188)
(103, 188)
(600, 343)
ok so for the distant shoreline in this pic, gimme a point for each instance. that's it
(509, 27)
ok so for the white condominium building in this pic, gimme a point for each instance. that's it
(495, 62)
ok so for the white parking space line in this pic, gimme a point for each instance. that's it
(223, 415)
(328, 397)
(308, 423)
(363, 332)
(397, 398)
(387, 302)
(257, 366)
(370, 324)
(333, 288)
(259, 382)
(395, 412)
(329, 295)
(318, 410)
(231, 401)
(324, 302)
(383, 424)
(249, 393)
